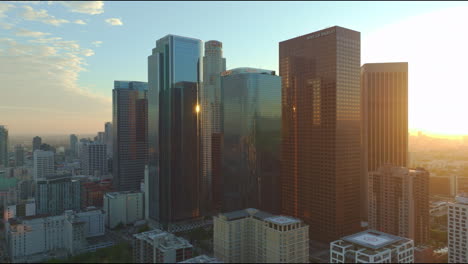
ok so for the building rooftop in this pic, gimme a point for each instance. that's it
(115, 194)
(372, 239)
(260, 215)
(245, 70)
(202, 259)
(282, 220)
(462, 198)
(162, 239)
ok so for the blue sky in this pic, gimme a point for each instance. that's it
(250, 32)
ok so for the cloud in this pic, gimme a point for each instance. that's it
(42, 16)
(27, 33)
(6, 25)
(97, 43)
(4, 7)
(114, 21)
(85, 7)
(80, 22)
(87, 52)
(44, 75)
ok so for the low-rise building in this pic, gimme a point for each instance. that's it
(95, 221)
(253, 236)
(123, 208)
(157, 246)
(27, 208)
(457, 230)
(372, 246)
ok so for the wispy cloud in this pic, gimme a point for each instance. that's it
(4, 7)
(85, 7)
(28, 33)
(42, 16)
(97, 43)
(114, 21)
(80, 22)
(87, 52)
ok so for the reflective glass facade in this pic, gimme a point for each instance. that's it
(3, 147)
(174, 174)
(321, 126)
(251, 118)
(130, 121)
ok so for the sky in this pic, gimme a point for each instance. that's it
(58, 60)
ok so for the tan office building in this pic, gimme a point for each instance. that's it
(253, 236)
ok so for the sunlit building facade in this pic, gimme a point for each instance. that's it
(251, 117)
(458, 230)
(321, 131)
(384, 118)
(130, 138)
(174, 173)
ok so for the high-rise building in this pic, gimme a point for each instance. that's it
(384, 96)
(92, 192)
(157, 246)
(253, 236)
(321, 131)
(94, 159)
(173, 118)
(37, 142)
(210, 100)
(108, 137)
(399, 202)
(19, 155)
(44, 164)
(251, 139)
(130, 119)
(55, 196)
(73, 142)
(372, 246)
(457, 230)
(4, 161)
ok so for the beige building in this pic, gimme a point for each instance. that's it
(399, 202)
(457, 230)
(253, 236)
(123, 207)
(157, 246)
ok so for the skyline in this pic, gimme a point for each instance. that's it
(81, 99)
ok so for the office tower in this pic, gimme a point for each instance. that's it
(157, 246)
(384, 96)
(372, 246)
(73, 142)
(173, 111)
(210, 100)
(56, 195)
(94, 159)
(251, 139)
(123, 208)
(108, 137)
(44, 164)
(4, 161)
(37, 142)
(130, 118)
(253, 236)
(321, 126)
(457, 230)
(19, 155)
(399, 202)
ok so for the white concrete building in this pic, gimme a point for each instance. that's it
(20, 210)
(44, 164)
(157, 246)
(202, 259)
(95, 221)
(253, 236)
(94, 159)
(372, 246)
(458, 230)
(123, 207)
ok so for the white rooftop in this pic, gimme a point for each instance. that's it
(282, 220)
(372, 239)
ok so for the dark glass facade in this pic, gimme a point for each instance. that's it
(321, 126)
(174, 171)
(130, 122)
(251, 118)
(37, 142)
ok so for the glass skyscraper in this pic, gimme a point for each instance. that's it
(251, 118)
(3, 147)
(210, 100)
(321, 142)
(130, 146)
(174, 74)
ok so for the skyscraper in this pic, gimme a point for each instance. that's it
(384, 118)
(44, 164)
(251, 118)
(54, 196)
(173, 111)
(399, 202)
(458, 230)
(130, 119)
(210, 100)
(94, 159)
(37, 142)
(73, 141)
(19, 155)
(4, 147)
(321, 126)
(108, 137)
